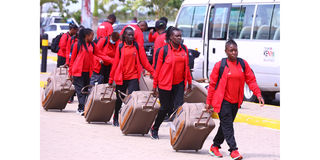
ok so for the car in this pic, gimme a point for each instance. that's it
(55, 29)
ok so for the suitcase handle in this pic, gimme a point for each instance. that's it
(48, 82)
(146, 107)
(67, 89)
(198, 124)
(104, 93)
(124, 100)
(63, 66)
(87, 86)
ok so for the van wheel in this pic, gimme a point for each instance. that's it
(248, 94)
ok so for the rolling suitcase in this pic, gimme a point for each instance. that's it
(100, 103)
(138, 112)
(145, 83)
(198, 94)
(191, 127)
(58, 90)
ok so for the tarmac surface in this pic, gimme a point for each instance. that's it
(67, 136)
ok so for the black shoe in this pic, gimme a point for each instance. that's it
(115, 123)
(154, 134)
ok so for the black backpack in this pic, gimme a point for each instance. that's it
(55, 43)
(224, 64)
(165, 52)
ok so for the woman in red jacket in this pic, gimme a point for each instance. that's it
(225, 95)
(126, 68)
(171, 77)
(81, 66)
(107, 45)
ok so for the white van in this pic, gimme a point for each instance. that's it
(253, 24)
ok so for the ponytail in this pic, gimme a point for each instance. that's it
(82, 35)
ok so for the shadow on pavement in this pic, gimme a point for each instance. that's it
(259, 155)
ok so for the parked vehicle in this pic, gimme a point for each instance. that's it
(55, 29)
(254, 25)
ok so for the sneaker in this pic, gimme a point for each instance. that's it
(154, 134)
(78, 111)
(82, 113)
(115, 123)
(235, 155)
(214, 151)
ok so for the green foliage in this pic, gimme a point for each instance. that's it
(77, 16)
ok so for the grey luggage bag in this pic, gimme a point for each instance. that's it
(138, 112)
(190, 127)
(100, 103)
(58, 90)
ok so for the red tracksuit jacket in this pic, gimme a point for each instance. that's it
(158, 43)
(77, 62)
(153, 37)
(138, 34)
(116, 73)
(215, 97)
(164, 71)
(105, 29)
(63, 44)
(68, 48)
(106, 54)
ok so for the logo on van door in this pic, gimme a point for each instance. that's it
(268, 54)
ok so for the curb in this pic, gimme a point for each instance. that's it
(53, 58)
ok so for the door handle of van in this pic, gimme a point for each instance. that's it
(213, 50)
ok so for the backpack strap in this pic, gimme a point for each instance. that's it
(120, 47)
(242, 64)
(165, 52)
(106, 42)
(156, 57)
(221, 69)
(136, 45)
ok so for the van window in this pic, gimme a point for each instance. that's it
(190, 21)
(198, 19)
(51, 28)
(262, 23)
(218, 22)
(275, 33)
(64, 27)
(244, 24)
(234, 22)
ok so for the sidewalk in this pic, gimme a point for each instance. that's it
(66, 135)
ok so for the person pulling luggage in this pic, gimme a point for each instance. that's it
(171, 76)
(127, 67)
(107, 46)
(225, 95)
(81, 66)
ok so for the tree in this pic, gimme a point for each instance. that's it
(98, 4)
(60, 5)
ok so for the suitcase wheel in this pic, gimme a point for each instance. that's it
(142, 134)
(89, 122)
(176, 150)
(46, 109)
(196, 150)
(60, 110)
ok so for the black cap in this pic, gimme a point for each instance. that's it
(160, 24)
(72, 26)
